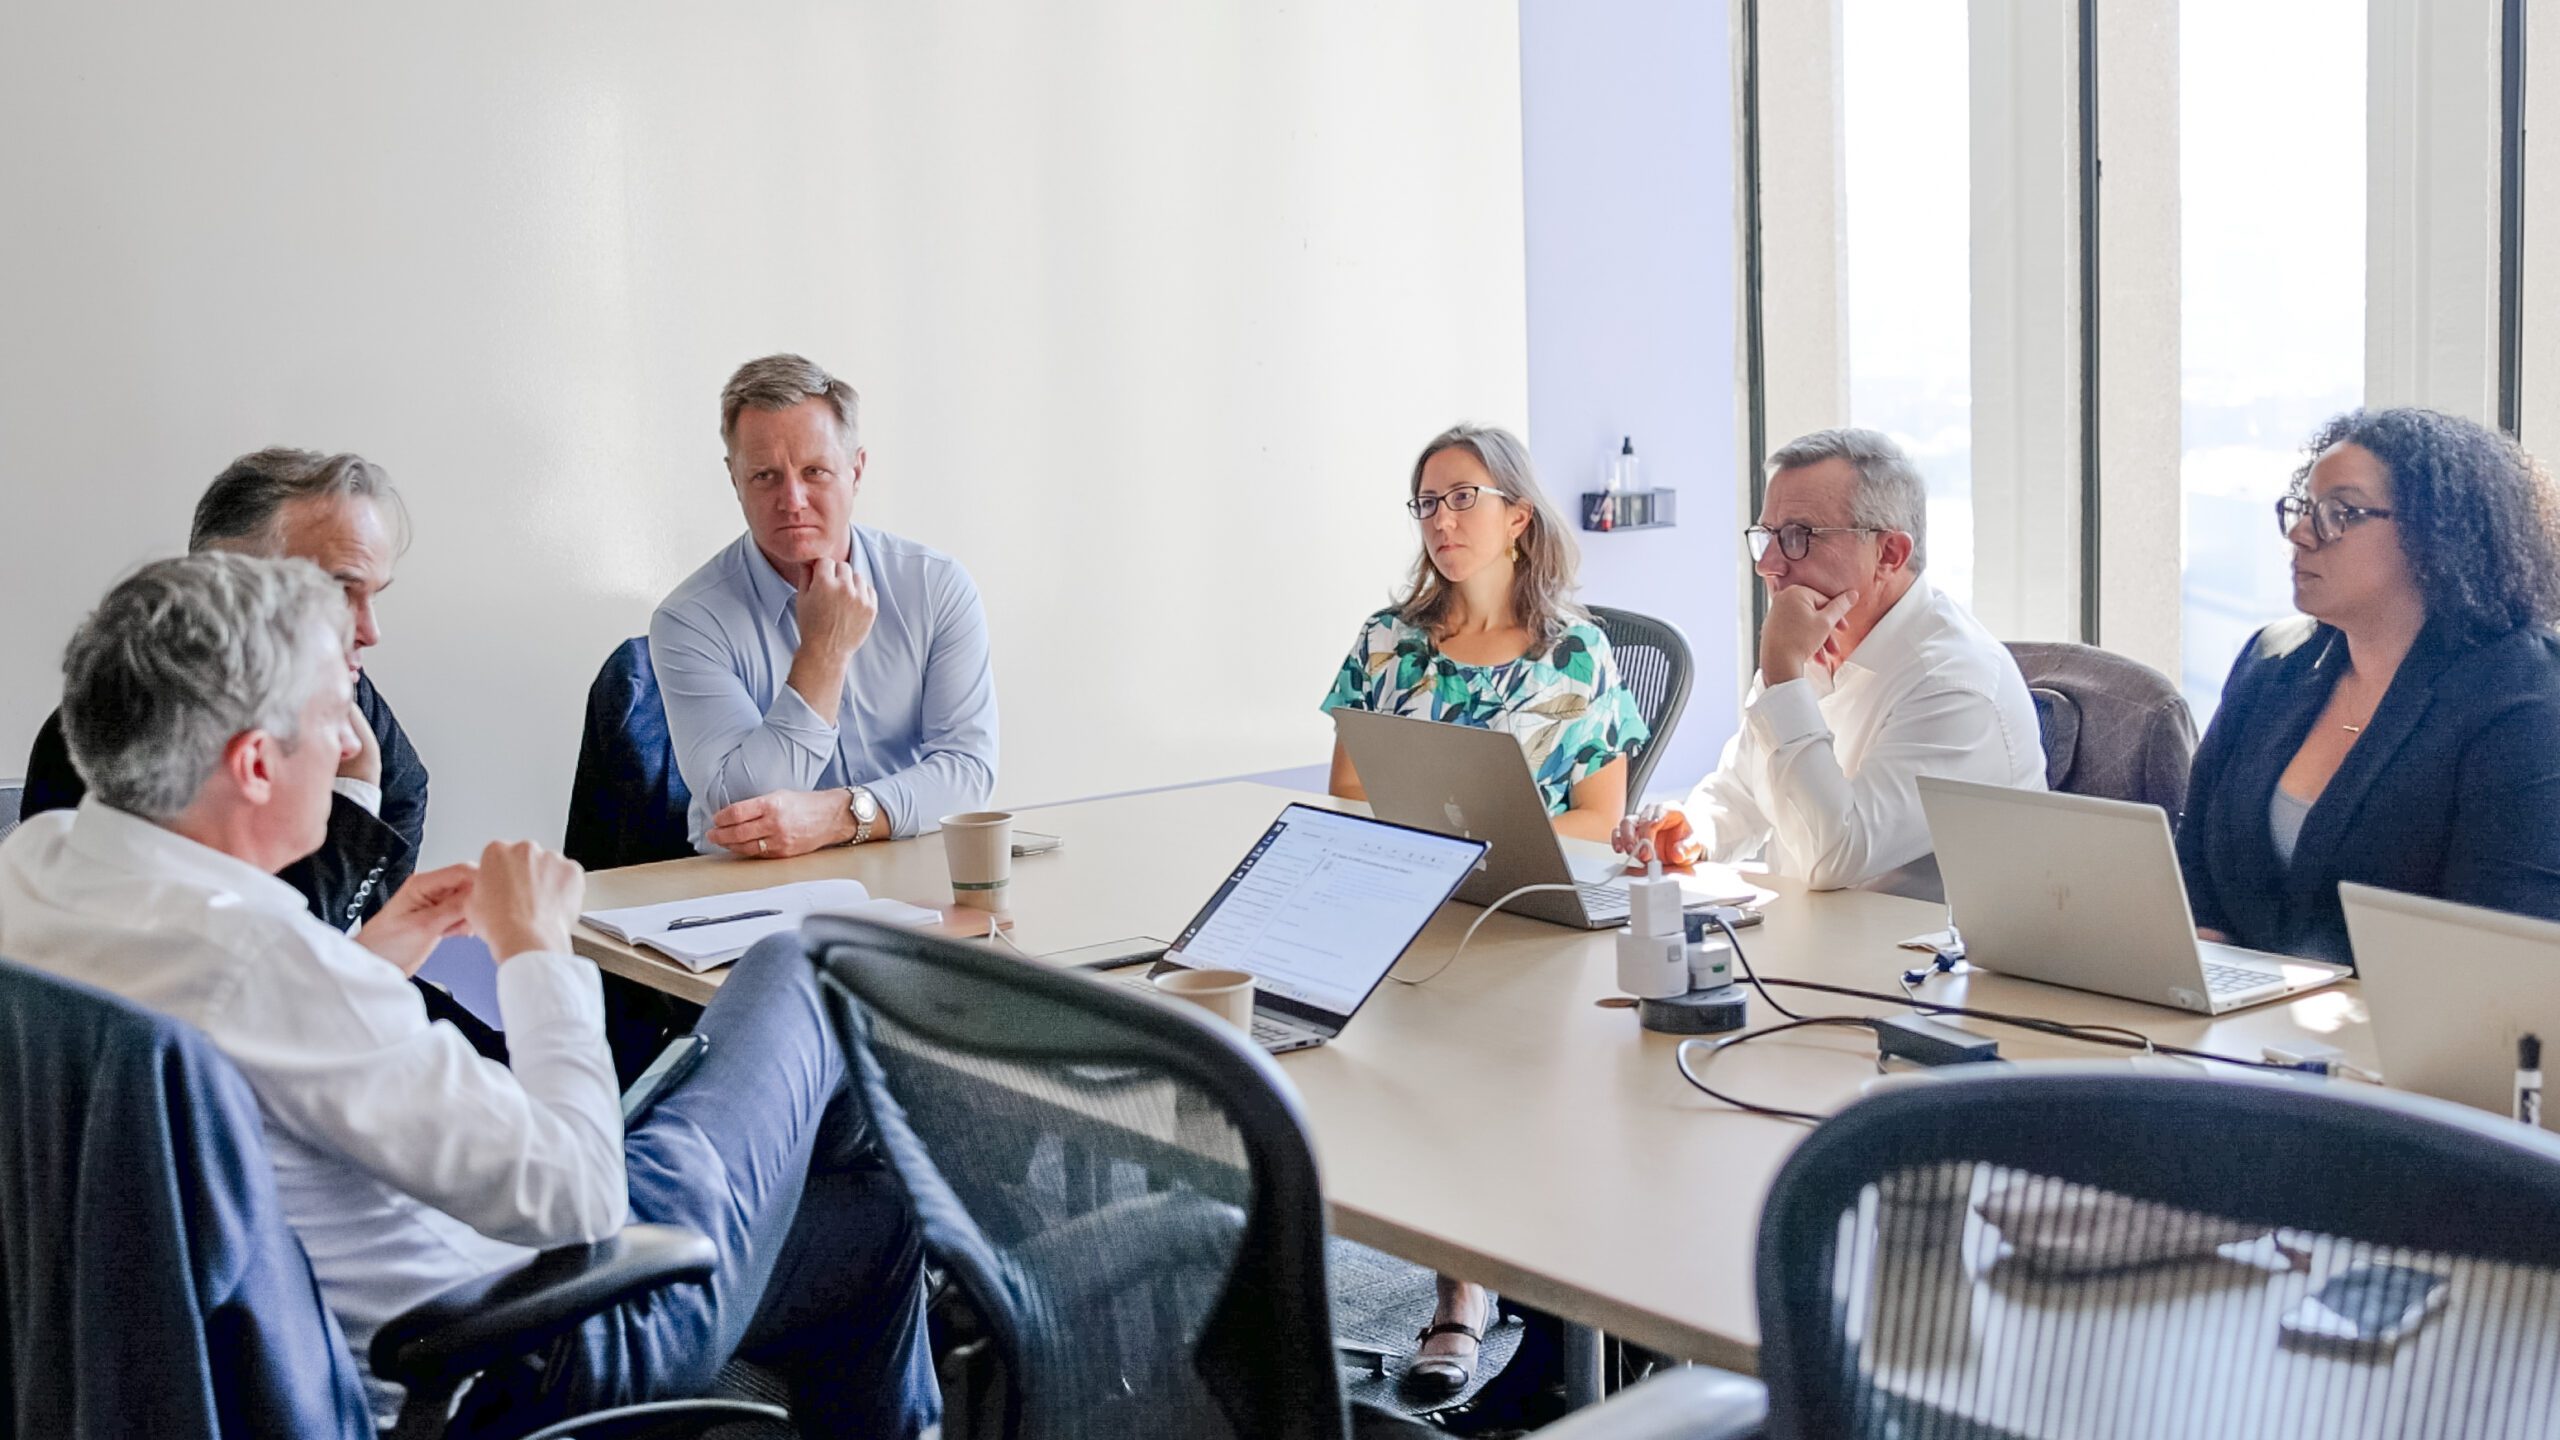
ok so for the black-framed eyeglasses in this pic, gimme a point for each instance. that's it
(1795, 539)
(2330, 516)
(1457, 497)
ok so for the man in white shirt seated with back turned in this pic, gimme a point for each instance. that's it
(1869, 678)
(207, 703)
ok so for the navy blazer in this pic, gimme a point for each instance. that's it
(365, 857)
(2453, 789)
(149, 1284)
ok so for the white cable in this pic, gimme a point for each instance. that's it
(998, 931)
(1471, 932)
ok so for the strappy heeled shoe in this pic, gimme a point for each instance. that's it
(1436, 1375)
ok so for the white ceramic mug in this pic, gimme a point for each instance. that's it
(979, 846)
(1227, 994)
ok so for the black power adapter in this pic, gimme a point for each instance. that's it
(1924, 1041)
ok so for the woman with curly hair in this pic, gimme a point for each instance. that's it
(2404, 730)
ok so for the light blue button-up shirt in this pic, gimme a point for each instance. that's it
(916, 724)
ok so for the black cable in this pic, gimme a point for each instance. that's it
(2115, 1035)
(1680, 1057)
(1717, 915)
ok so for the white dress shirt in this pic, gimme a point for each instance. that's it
(404, 1161)
(1823, 770)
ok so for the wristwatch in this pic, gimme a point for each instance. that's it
(865, 812)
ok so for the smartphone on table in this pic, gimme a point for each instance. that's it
(2368, 1309)
(673, 1064)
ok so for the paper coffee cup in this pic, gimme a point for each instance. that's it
(979, 846)
(1227, 994)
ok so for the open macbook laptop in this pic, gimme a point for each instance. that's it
(2078, 891)
(1464, 780)
(2450, 989)
(1317, 912)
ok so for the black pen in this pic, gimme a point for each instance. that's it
(2529, 1079)
(696, 922)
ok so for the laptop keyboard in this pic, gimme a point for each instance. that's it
(1603, 898)
(2224, 979)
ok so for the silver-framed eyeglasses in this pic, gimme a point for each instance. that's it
(1461, 498)
(1795, 539)
(2330, 516)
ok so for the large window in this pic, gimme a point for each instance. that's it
(1907, 229)
(2105, 265)
(2272, 261)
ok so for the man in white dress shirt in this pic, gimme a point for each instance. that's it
(207, 701)
(1869, 678)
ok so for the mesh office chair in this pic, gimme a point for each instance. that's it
(13, 794)
(2112, 726)
(150, 1285)
(1127, 1197)
(2105, 1254)
(1653, 658)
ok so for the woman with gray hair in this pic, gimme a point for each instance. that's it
(1486, 634)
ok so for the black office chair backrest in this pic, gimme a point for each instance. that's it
(2113, 726)
(627, 801)
(1125, 1192)
(149, 1284)
(2110, 1253)
(13, 794)
(1653, 660)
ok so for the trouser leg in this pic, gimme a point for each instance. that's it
(729, 1152)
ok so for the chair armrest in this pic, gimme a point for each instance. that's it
(1689, 1404)
(514, 1312)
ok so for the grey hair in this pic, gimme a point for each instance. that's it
(1889, 495)
(239, 509)
(778, 382)
(183, 655)
(1542, 583)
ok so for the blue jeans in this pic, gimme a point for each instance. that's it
(820, 1269)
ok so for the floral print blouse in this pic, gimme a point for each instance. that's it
(1564, 703)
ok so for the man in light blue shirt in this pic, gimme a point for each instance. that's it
(825, 683)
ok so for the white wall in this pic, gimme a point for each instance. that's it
(1150, 305)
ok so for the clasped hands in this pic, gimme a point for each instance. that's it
(835, 610)
(520, 897)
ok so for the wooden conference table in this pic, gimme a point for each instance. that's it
(1499, 1123)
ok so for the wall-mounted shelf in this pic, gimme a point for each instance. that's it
(1629, 509)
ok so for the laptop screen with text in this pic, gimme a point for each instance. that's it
(1324, 904)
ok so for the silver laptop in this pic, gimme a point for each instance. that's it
(1465, 780)
(2450, 989)
(2078, 891)
(1317, 912)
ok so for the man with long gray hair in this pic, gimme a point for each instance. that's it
(341, 513)
(1870, 677)
(208, 701)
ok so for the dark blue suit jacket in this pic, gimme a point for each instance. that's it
(148, 1282)
(364, 858)
(2452, 791)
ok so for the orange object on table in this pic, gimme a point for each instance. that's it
(1675, 842)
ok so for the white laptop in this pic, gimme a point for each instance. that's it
(1317, 912)
(1466, 780)
(2074, 890)
(2450, 989)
